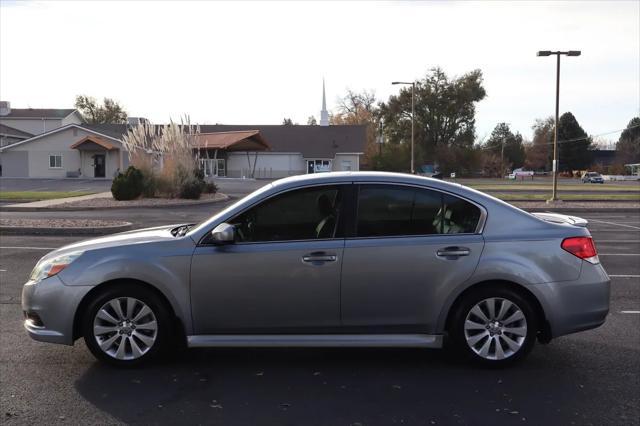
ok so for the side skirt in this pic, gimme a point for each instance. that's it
(317, 340)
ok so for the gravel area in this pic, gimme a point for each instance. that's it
(142, 202)
(60, 223)
(565, 205)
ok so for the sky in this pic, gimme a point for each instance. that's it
(258, 62)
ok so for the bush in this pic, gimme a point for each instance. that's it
(210, 188)
(192, 189)
(128, 186)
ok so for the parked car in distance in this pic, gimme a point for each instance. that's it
(334, 259)
(430, 170)
(592, 177)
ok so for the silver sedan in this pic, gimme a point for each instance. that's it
(334, 259)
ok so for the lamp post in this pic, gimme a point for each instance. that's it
(558, 53)
(413, 91)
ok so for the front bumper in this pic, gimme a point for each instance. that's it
(49, 307)
(573, 306)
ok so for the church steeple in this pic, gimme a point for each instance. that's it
(324, 114)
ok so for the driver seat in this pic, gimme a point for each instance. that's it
(326, 226)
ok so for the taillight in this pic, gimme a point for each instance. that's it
(581, 247)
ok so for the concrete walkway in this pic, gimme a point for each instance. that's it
(57, 201)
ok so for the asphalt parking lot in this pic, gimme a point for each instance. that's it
(590, 378)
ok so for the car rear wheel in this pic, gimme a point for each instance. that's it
(126, 325)
(494, 326)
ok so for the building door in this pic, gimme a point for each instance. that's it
(310, 168)
(99, 166)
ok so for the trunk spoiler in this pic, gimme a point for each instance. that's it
(562, 218)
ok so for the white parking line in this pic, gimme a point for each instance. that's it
(624, 276)
(29, 248)
(3, 270)
(616, 224)
(630, 312)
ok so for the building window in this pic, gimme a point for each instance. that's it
(55, 161)
(318, 166)
(346, 165)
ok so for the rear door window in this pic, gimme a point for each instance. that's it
(393, 210)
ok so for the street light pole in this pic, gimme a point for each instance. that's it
(413, 103)
(554, 194)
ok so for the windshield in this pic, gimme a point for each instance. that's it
(206, 223)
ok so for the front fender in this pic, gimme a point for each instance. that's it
(145, 262)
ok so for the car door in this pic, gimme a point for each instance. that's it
(281, 275)
(409, 247)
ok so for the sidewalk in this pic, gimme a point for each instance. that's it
(56, 201)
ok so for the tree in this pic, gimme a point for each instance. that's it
(628, 146)
(506, 146)
(359, 108)
(287, 122)
(311, 121)
(539, 153)
(94, 113)
(574, 145)
(444, 113)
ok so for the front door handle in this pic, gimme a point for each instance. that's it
(319, 257)
(453, 252)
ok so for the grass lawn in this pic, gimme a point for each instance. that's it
(566, 197)
(40, 195)
(591, 187)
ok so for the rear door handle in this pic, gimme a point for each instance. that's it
(453, 252)
(319, 257)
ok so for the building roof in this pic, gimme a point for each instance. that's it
(56, 130)
(311, 141)
(92, 141)
(38, 113)
(247, 140)
(7, 130)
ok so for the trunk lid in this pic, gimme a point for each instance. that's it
(562, 219)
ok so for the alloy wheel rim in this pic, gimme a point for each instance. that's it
(125, 328)
(495, 328)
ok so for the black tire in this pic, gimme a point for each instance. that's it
(149, 298)
(463, 309)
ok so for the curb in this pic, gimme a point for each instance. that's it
(579, 209)
(7, 209)
(26, 230)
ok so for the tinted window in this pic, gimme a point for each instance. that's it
(386, 210)
(304, 214)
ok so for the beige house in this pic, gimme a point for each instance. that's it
(68, 151)
(35, 121)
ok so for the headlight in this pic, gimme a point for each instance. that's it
(53, 266)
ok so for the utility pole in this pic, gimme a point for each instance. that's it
(554, 194)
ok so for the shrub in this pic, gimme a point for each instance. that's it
(128, 186)
(191, 189)
(210, 188)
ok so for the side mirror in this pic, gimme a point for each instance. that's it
(223, 233)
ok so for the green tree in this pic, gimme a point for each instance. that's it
(628, 146)
(287, 122)
(506, 145)
(574, 145)
(311, 121)
(94, 113)
(444, 113)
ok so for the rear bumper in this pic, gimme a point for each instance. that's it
(573, 306)
(49, 307)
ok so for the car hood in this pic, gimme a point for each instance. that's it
(138, 236)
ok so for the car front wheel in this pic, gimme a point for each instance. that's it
(494, 326)
(125, 326)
